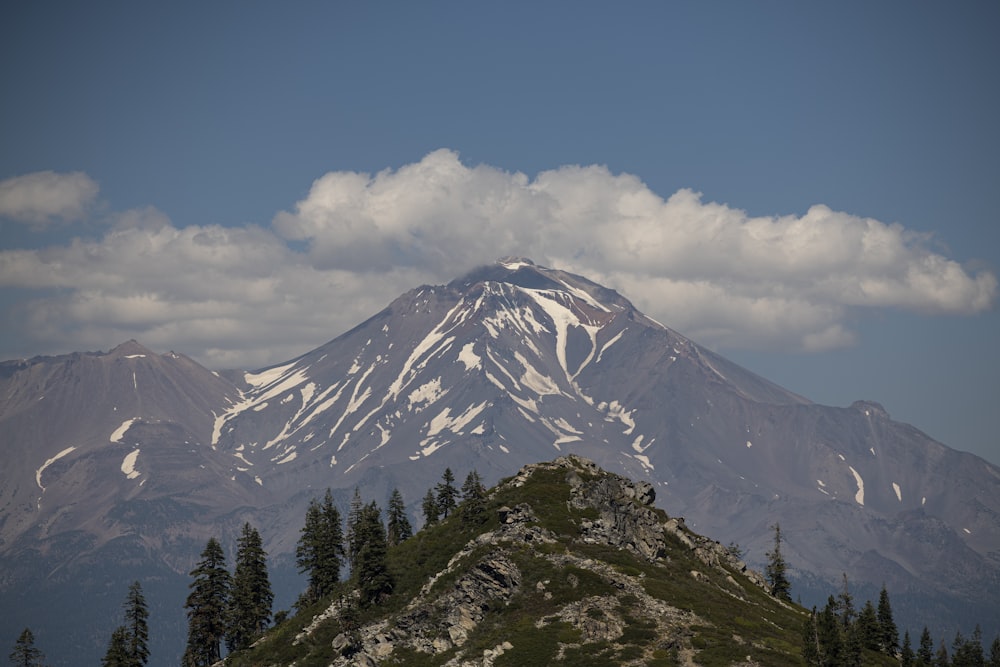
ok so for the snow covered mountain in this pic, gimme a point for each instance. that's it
(146, 455)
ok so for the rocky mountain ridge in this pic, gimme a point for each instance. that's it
(587, 566)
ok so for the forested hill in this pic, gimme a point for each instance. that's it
(563, 563)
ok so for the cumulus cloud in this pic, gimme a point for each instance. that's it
(43, 197)
(255, 295)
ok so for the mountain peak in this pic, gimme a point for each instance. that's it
(514, 263)
(130, 348)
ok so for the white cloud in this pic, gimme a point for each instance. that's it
(252, 295)
(41, 197)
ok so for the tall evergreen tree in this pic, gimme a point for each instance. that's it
(925, 652)
(907, 658)
(995, 652)
(446, 494)
(206, 607)
(828, 635)
(430, 509)
(776, 569)
(867, 627)
(353, 517)
(810, 642)
(136, 626)
(25, 653)
(473, 499)
(846, 604)
(371, 571)
(320, 550)
(117, 654)
(251, 598)
(887, 632)
(941, 658)
(398, 526)
(332, 554)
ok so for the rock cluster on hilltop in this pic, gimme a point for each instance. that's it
(486, 576)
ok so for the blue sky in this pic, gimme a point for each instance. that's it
(808, 188)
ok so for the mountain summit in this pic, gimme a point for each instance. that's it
(510, 364)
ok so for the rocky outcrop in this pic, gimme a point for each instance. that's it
(484, 576)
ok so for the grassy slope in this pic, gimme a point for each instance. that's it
(723, 618)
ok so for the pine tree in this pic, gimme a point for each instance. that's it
(473, 499)
(846, 604)
(136, 626)
(353, 517)
(206, 607)
(25, 653)
(251, 598)
(828, 635)
(995, 652)
(887, 631)
(776, 570)
(430, 508)
(925, 653)
(941, 657)
(320, 549)
(867, 627)
(907, 658)
(446, 494)
(117, 654)
(332, 545)
(810, 642)
(398, 526)
(371, 571)
(968, 652)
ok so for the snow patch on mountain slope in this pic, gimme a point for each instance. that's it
(534, 380)
(48, 462)
(859, 497)
(425, 394)
(444, 421)
(468, 357)
(611, 342)
(264, 378)
(616, 411)
(899, 492)
(128, 464)
(562, 318)
(119, 433)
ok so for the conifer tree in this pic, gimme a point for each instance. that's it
(206, 607)
(371, 571)
(353, 517)
(810, 642)
(446, 494)
(117, 654)
(320, 550)
(907, 658)
(941, 658)
(25, 653)
(136, 626)
(430, 509)
(846, 603)
(995, 652)
(867, 627)
(925, 652)
(887, 631)
(398, 526)
(251, 598)
(776, 570)
(828, 635)
(473, 499)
